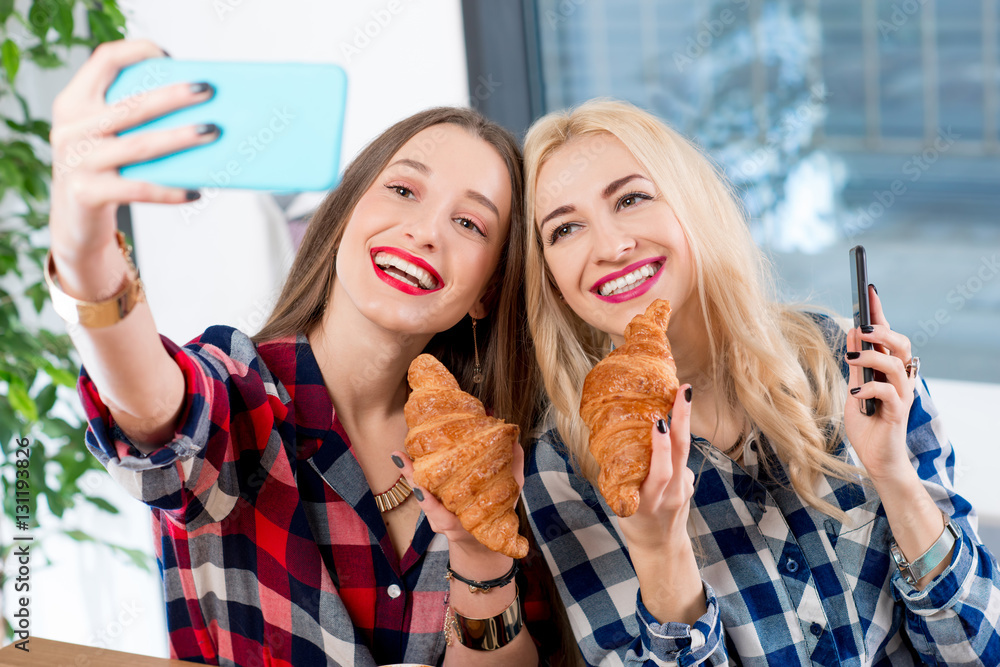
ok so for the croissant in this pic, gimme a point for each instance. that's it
(463, 456)
(623, 395)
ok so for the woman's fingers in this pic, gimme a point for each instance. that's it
(680, 427)
(441, 520)
(107, 121)
(891, 367)
(855, 377)
(668, 459)
(891, 342)
(660, 467)
(893, 406)
(877, 315)
(517, 465)
(97, 74)
(147, 105)
(96, 190)
(144, 146)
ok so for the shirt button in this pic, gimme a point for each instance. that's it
(697, 638)
(792, 565)
(816, 629)
(394, 591)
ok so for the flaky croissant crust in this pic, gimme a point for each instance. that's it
(623, 396)
(463, 456)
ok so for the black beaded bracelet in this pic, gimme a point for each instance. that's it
(483, 586)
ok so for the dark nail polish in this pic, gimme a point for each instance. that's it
(661, 426)
(207, 128)
(201, 87)
(867, 328)
(419, 494)
(193, 195)
(687, 394)
(853, 355)
(872, 285)
(398, 461)
(855, 390)
(165, 54)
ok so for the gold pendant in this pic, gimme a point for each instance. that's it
(392, 498)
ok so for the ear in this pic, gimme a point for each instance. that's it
(478, 310)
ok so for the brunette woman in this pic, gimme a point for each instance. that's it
(285, 526)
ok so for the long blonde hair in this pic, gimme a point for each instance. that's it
(770, 362)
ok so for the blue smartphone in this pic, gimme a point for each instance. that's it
(862, 310)
(281, 124)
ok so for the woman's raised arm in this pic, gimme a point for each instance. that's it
(136, 377)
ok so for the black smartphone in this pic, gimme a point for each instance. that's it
(862, 310)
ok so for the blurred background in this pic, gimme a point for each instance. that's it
(840, 122)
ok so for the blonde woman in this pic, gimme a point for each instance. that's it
(765, 527)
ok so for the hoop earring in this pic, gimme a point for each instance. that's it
(477, 370)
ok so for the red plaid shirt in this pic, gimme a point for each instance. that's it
(271, 547)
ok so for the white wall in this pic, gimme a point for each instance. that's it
(972, 421)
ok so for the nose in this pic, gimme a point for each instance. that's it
(424, 229)
(612, 241)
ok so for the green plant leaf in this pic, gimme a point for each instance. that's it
(6, 9)
(21, 401)
(46, 399)
(58, 428)
(63, 23)
(103, 504)
(79, 536)
(57, 502)
(61, 376)
(40, 17)
(10, 55)
(44, 57)
(106, 27)
(39, 294)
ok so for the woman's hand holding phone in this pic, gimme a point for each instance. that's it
(87, 154)
(880, 439)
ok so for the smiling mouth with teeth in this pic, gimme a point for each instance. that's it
(405, 272)
(629, 281)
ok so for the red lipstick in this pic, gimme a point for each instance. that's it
(402, 286)
(632, 293)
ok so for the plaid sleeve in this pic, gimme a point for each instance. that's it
(196, 477)
(955, 620)
(595, 578)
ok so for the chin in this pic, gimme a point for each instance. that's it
(413, 320)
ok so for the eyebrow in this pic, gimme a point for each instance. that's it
(484, 200)
(413, 164)
(471, 194)
(607, 192)
(614, 185)
(562, 210)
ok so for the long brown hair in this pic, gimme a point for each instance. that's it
(509, 386)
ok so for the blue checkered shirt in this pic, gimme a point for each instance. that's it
(784, 584)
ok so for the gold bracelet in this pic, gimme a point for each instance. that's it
(94, 314)
(489, 634)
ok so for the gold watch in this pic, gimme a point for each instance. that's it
(96, 314)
